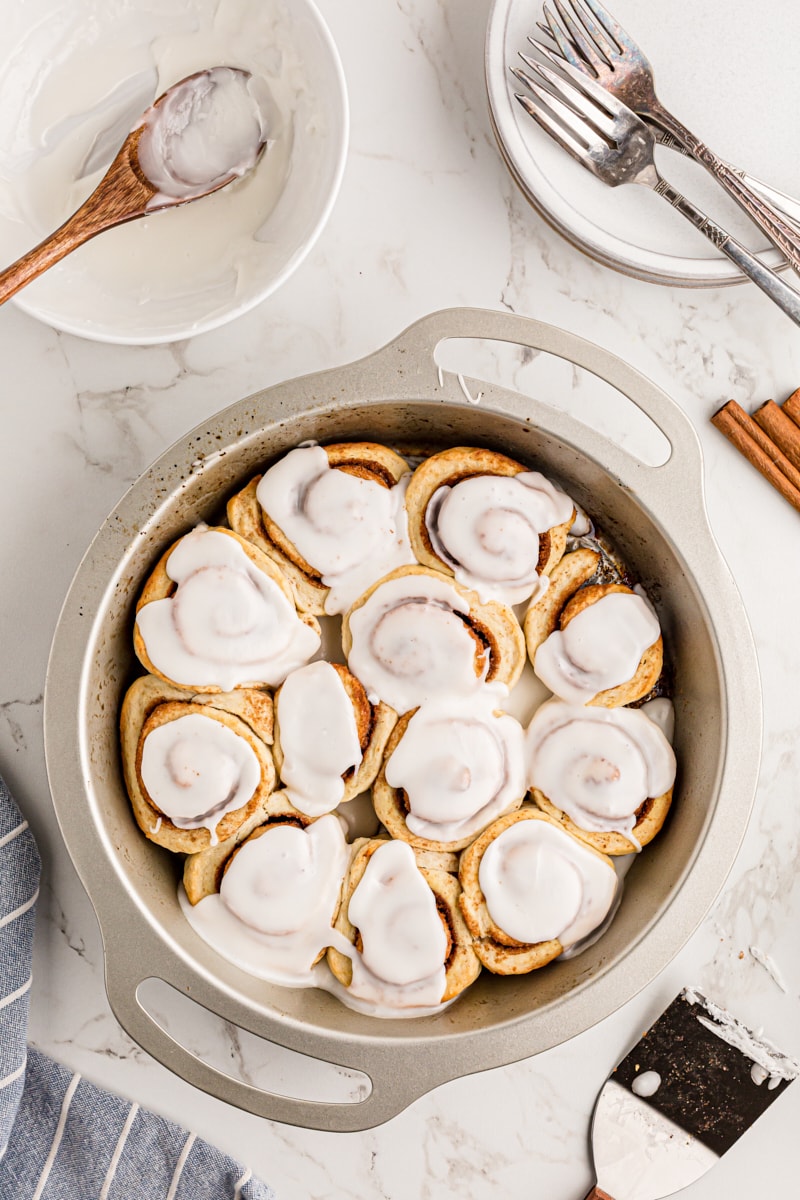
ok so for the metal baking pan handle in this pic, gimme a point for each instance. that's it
(411, 355)
(128, 965)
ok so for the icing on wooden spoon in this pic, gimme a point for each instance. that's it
(201, 134)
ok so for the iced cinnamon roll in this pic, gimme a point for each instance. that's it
(605, 774)
(216, 614)
(530, 890)
(450, 768)
(410, 946)
(197, 768)
(482, 517)
(332, 517)
(278, 893)
(593, 643)
(329, 739)
(417, 636)
(202, 871)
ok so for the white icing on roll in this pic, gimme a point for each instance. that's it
(278, 897)
(540, 883)
(599, 648)
(350, 530)
(318, 736)
(409, 646)
(662, 712)
(598, 765)
(403, 940)
(196, 770)
(486, 528)
(582, 526)
(460, 765)
(227, 624)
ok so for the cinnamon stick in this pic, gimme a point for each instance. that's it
(751, 441)
(792, 406)
(781, 428)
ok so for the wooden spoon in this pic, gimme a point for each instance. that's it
(123, 194)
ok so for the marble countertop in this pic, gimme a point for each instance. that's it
(427, 218)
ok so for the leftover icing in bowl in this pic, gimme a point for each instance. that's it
(76, 81)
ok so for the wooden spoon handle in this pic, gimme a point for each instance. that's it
(597, 1193)
(58, 245)
(122, 195)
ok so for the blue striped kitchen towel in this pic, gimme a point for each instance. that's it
(62, 1138)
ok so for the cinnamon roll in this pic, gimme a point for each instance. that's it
(436, 860)
(484, 518)
(605, 774)
(202, 870)
(450, 769)
(418, 636)
(332, 517)
(196, 769)
(530, 890)
(216, 614)
(593, 643)
(278, 894)
(410, 945)
(329, 739)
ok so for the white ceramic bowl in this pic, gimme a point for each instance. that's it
(73, 80)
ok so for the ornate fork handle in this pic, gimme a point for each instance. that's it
(780, 232)
(776, 288)
(788, 207)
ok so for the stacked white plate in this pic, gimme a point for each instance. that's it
(720, 68)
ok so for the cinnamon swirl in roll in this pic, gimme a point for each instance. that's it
(277, 896)
(605, 774)
(593, 643)
(332, 517)
(487, 520)
(450, 768)
(418, 636)
(196, 768)
(410, 945)
(530, 890)
(329, 739)
(216, 614)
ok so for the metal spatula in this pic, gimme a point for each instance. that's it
(687, 1091)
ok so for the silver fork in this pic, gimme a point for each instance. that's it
(607, 138)
(602, 47)
(569, 47)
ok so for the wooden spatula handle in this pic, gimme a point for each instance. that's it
(597, 1193)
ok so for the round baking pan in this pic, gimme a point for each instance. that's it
(656, 518)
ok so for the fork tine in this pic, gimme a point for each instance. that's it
(522, 78)
(592, 54)
(551, 127)
(583, 82)
(554, 30)
(573, 109)
(546, 30)
(575, 98)
(611, 27)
